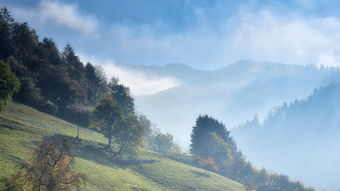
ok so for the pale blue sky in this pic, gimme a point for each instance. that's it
(201, 33)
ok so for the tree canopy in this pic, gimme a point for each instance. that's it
(9, 84)
(202, 132)
(126, 130)
(50, 169)
(106, 117)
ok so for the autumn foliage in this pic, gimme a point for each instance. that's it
(50, 169)
(208, 164)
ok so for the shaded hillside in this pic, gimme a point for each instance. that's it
(23, 127)
(300, 139)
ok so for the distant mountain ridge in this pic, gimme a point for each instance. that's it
(300, 139)
(182, 72)
(232, 94)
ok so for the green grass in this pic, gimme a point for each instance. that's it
(22, 127)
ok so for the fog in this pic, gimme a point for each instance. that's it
(235, 94)
(300, 139)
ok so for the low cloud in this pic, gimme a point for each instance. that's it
(67, 15)
(139, 82)
(261, 35)
(294, 40)
(213, 39)
(54, 12)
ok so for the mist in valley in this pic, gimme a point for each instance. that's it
(265, 74)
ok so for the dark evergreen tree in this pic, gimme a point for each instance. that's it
(25, 42)
(201, 132)
(71, 61)
(96, 83)
(6, 27)
(49, 52)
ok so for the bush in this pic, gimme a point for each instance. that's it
(208, 164)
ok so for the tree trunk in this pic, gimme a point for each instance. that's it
(109, 142)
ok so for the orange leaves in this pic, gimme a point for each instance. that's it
(208, 164)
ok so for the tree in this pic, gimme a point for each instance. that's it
(9, 84)
(26, 41)
(71, 62)
(164, 142)
(156, 140)
(129, 137)
(51, 169)
(126, 131)
(29, 93)
(96, 83)
(6, 27)
(219, 150)
(106, 117)
(122, 96)
(49, 52)
(201, 135)
(58, 87)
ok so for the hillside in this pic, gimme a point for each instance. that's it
(22, 127)
(232, 94)
(299, 139)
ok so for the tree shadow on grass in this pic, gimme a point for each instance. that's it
(200, 174)
(94, 151)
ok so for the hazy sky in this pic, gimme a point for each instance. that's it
(201, 33)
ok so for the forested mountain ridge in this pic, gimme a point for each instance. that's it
(295, 132)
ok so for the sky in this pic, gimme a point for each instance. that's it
(204, 34)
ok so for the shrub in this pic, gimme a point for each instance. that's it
(208, 164)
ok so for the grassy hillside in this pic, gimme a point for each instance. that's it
(22, 127)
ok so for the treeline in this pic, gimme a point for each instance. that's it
(216, 150)
(37, 74)
(54, 82)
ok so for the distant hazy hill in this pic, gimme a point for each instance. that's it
(301, 139)
(232, 94)
(182, 72)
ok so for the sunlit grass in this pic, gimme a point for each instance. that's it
(22, 127)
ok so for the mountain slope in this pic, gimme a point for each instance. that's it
(21, 128)
(233, 94)
(300, 139)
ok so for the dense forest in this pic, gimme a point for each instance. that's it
(55, 82)
(306, 127)
(58, 83)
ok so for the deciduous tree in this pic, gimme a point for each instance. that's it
(51, 169)
(9, 84)
(106, 117)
